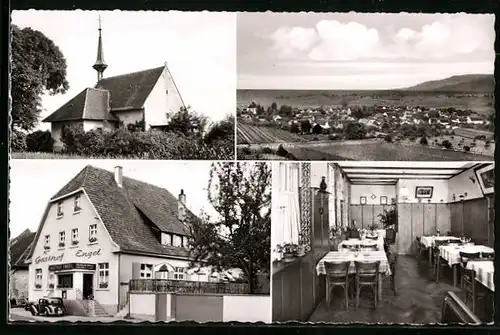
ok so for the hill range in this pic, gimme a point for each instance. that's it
(471, 91)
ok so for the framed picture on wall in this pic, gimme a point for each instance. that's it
(423, 192)
(486, 177)
(362, 200)
(383, 200)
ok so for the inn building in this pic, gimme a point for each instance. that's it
(100, 231)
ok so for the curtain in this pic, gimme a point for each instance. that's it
(286, 212)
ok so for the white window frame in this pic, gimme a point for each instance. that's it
(103, 278)
(60, 211)
(74, 236)
(179, 273)
(93, 232)
(38, 278)
(146, 271)
(62, 238)
(46, 243)
(76, 205)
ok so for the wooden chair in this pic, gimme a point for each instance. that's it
(390, 238)
(488, 255)
(468, 277)
(420, 247)
(392, 258)
(353, 233)
(367, 276)
(337, 274)
(455, 311)
(350, 247)
(437, 258)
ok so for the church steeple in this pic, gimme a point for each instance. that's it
(99, 64)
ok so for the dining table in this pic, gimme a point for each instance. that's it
(485, 273)
(429, 242)
(360, 256)
(451, 254)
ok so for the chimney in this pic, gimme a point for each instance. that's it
(119, 176)
(182, 205)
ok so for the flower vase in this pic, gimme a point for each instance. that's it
(288, 257)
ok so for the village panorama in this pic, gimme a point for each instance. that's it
(365, 86)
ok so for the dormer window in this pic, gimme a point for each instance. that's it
(166, 239)
(60, 208)
(77, 207)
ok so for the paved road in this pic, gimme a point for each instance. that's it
(19, 314)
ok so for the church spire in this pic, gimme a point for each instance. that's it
(99, 64)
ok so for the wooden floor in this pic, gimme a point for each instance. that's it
(418, 300)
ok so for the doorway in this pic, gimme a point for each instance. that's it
(88, 286)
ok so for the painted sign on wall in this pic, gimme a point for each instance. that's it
(44, 259)
(79, 253)
(88, 254)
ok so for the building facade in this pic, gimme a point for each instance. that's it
(147, 97)
(18, 274)
(100, 231)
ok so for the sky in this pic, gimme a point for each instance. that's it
(360, 50)
(34, 182)
(199, 48)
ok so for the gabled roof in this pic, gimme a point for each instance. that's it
(19, 248)
(130, 91)
(133, 213)
(89, 104)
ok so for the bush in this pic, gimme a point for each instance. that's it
(447, 144)
(281, 151)
(151, 144)
(466, 148)
(267, 150)
(333, 137)
(424, 141)
(388, 138)
(245, 150)
(17, 141)
(487, 144)
(137, 126)
(40, 141)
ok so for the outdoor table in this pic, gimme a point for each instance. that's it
(485, 273)
(451, 254)
(366, 256)
(429, 242)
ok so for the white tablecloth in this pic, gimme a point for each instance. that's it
(358, 242)
(343, 256)
(451, 253)
(485, 271)
(428, 241)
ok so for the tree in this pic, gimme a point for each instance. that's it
(305, 127)
(355, 131)
(187, 122)
(240, 236)
(424, 141)
(38, 67)
(294, 128)
(317, 129)
(274, 106)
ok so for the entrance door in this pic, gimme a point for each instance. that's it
(88, 285)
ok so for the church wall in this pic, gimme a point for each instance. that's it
(130, 117)
(164, 98)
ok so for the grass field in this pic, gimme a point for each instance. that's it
(382, 151)
(256, 135)
(480, 103)
(54, 155)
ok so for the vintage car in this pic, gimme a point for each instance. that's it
(47, 306)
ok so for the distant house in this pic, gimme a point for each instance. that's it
(277, 118)
(147, 96)
(474, 120)
(19, 269)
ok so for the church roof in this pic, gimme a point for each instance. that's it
(89, 104)
(130, 91)
(133, 214)
(123, 92)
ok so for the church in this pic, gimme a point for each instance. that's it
(147, 96)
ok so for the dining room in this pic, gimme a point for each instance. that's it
(383, 242)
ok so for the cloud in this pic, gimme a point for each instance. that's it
(343, 41)
(330, 40)
(290, 41)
